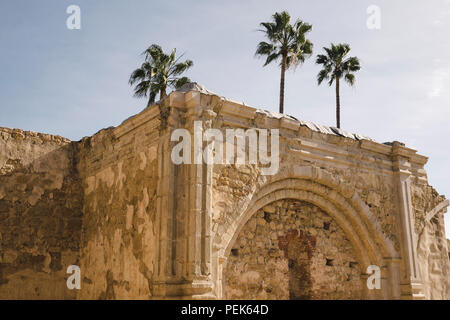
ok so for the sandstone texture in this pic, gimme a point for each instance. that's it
(40, 214)
(292, 250)
(140, 226)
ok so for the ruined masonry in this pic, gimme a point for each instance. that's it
(141, 227)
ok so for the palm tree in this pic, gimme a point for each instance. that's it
(158, 71)
(336, 65)
(287, 43)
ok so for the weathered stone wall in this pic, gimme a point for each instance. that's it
(118, 241)
(359, 172)
(367, 182)
(432, 244)
(374, 184)
(40, 215)
(141, 226)
(292, 250)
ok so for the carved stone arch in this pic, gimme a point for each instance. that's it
(339, 201)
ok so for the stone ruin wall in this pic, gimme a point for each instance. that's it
(292, 250)
(432, 243)
(119, 174)
(235, 185)
(100, 203)
(40, 214)
(374, 183)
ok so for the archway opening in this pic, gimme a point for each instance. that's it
(292, 249)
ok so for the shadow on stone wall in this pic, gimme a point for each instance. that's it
(40, 218)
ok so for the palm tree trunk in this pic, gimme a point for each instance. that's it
(162, 93)
(338, 105)
(283, 72)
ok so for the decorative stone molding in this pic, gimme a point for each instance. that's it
(440, 207)
(316, 186)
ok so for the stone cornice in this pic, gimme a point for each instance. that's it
(394, 157)
(240, 115)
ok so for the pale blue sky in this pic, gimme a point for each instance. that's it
(74, 82)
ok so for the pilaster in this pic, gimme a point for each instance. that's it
(183, 221)
(411, 285)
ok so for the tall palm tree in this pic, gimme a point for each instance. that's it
(158, 71)
(336, 65)
(287, 43)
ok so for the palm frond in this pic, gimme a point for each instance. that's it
(285, 40)
(141, 89)
(158, 72)
(323, 75)
(179, 68)
(350, 79)
(137, 75)
(265, 48)
(352, 64)
(336, 65)
(180, 82)
(272, 57)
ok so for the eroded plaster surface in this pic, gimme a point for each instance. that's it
(140, 226)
